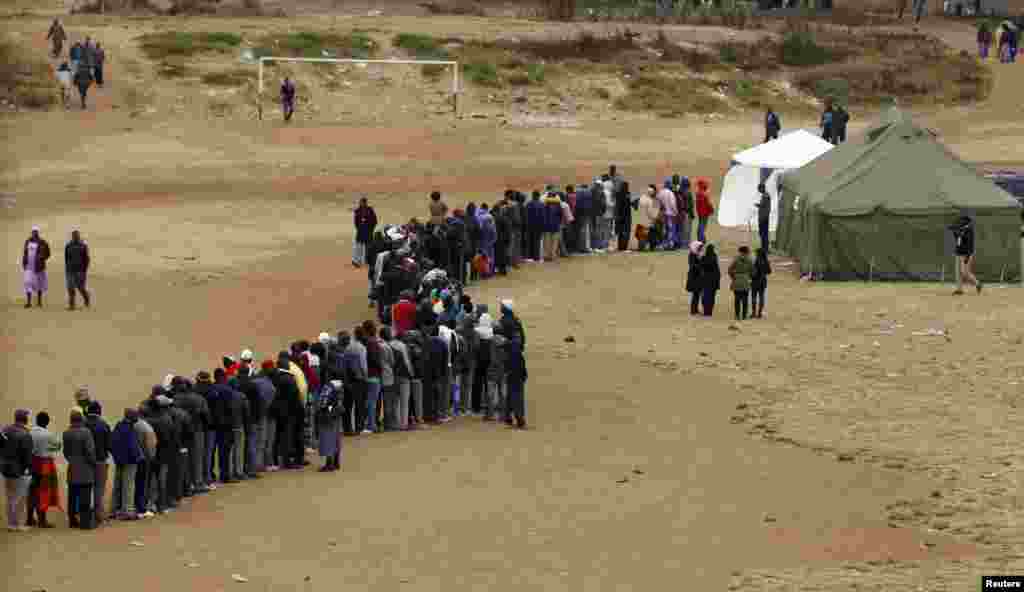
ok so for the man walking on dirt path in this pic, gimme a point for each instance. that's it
(75, 55)
(83, 80)
(57, 36)
(76, 266)
(100, 58)
(288, 98)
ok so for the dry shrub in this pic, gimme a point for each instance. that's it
(913, 79)
(755, 57)
(585, 46)
(455, 7)
(235, 77)
(669, 96)
(25, 78)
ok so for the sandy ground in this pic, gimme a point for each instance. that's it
(824, 447)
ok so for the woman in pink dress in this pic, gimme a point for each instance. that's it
(33, 262)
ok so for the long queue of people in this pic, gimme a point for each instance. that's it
(436, 356)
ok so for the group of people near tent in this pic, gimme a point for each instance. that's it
(436, 356)
(84, 64)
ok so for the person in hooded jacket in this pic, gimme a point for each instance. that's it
(466, 365)
(488, 236)
(535, 222)
(759, 282)
(403, 371)
(484, 333)
(963, 233)
(413, 341)
(552, 224)
(289, 412)
(496, 403)
(624, 206)
(711, 278)
(204, 388)
(76, 268)
(437, 387)
(670, 211)
(168, 443)
(515, 379)
(128, 455)
(198, 410)
(650, 216)
(685, 206)
(694, 277)
(455, 234)
(704, 208)
(177, 473)
(101, 438)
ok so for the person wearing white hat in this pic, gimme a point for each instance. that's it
(33, 263)
(245, 368)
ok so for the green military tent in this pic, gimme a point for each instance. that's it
(880, 206)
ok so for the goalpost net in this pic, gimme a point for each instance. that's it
(454, 66)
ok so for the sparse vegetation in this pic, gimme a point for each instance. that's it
(481, 73)
(585, 46)
(455, 7)
(173, 67)
(160, 46)
(669, 96)
(308, 44)
(423, 47)
(25, 78)
(234, 77)
(799, 49)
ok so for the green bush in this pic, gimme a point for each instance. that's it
(236, 77)
(727, 53)
(535, 73)
(743, 88)
(481, 73)
(158, 46)
(799, 49)
(424, 47)
(315, 45)
(834, 88)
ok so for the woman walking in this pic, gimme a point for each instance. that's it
(33, 264)
(759, 282)
(693, 277)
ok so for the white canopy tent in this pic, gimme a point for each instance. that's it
(737, 204)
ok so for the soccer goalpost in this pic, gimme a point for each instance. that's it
(454, 65)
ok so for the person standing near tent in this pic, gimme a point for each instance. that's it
(740, 271)
(963, 232)
(288, 98)
(840, 118)
(827, 122)
(710, 279)
(772, 125)
(759, 282)
(693, 277)
(704, 208)
(685, 206)
(764, 213)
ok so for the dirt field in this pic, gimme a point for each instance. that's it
(826, 447)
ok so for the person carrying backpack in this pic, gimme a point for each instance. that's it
(329, 410)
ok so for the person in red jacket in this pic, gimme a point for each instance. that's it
(403, 314)
(704, 208)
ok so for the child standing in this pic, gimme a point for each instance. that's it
(740, 270)
(759, 282)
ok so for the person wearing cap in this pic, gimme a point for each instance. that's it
(511, 326)
(259, 390)
(76, 266)
(204, 388)
(231, 429)
(16, 467)
(80, 454)
(168, 445)
(230, 366)
(245, 363)
(34, 256)
(267, 461)
(365, 223)
(101, 435)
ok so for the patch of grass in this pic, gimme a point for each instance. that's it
(753, 93)
(727, 53)
(235, 77)
(482, 73)
(669, 96)
(309, 44)
(159, 46)
(799, 49)
(25, 77)
(535, 73)
(455, 7)
(423, 47)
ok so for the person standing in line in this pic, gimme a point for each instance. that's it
(204, 388)
(759, 282)
(650, 214)
(100, 57)
(45, 490)
(288, 98)
(694, 277)
(16, 468)
(686, 212)
(388, 387)
(355, 369)
(168, 445)
(80, 454)
(64, 78)
(740, 271)
(764, 214)
(466, 365)
(535, 219)
(190, 401)
(128, 454)
(488, 236)
(963, 232)
(608, 217)
(147, 437)
(772, 125)
(624, 205)
(101, 436)
(417, 358)
(403, 375)
(56, 36)
(268, 458)
(177, 475)
(33, 262)
(374, 374)
(516, 376)
(437, 208)
(76, 266)
(496, 404)
(328, 424)
(552, 224)
(238, 411)
(704, 208)
(710, 279)
(670, 212)
(365, 223)
(584, 218)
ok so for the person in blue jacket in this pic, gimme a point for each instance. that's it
(534, 226)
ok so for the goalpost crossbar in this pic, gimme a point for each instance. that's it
(453, 63)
